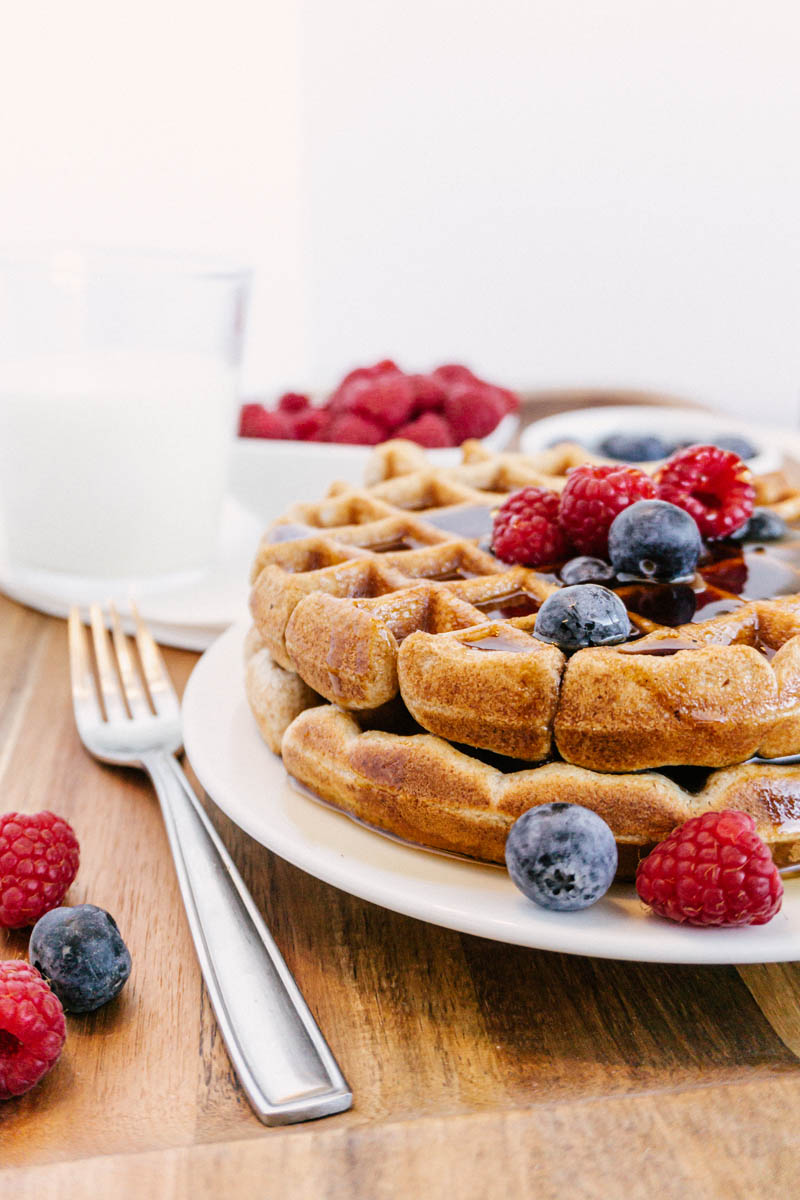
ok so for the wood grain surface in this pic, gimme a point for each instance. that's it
(479, 1070)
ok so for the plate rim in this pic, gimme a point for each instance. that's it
(544, 930)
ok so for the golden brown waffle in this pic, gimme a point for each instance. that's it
(382, 596)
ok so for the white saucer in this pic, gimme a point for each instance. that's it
(188, 611)
(250, 784)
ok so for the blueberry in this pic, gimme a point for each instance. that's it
(763, 526)
(583, 615)
(652, 539)
(635, 447)
(586, 570)
(561, 856)
(737, 445)
(81, 954)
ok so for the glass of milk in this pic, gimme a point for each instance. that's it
(118, 390)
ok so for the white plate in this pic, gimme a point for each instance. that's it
(590, 425)
(249, 783)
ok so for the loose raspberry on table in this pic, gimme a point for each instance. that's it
(712, 870)
(526, 529)
(39, 856)
(255, 421)
(472, 411)
(712, 485)
(592, 497)
(429, 430)
(32, 1028)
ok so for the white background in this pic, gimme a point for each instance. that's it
(558, 193)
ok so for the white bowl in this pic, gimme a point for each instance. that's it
(590, 425)
(268, 475)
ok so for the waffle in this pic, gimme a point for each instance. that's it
(384, 602)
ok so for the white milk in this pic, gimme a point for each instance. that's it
(114, 467)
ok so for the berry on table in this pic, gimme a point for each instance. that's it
(585, 569)
(81, 954)
(526, 529)
(39, 856)
(635, 447)
(712, 485)
(764, 526)
(32, 1028)
(712, 870)
(582, 615)
(654, 540)
(561, 856)
(592, 497)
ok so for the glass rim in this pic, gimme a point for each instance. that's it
(100, 259)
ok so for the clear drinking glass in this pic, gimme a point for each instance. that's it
(118, 388)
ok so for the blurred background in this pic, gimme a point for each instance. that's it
(559, 194)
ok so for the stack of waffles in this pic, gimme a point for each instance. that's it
(392, 664)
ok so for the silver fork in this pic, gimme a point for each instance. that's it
(278, 1052)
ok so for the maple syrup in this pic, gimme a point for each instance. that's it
(512, 604)
(497, 642)
(660, 649)
(407, 542)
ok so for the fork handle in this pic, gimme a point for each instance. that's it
(279, 1054)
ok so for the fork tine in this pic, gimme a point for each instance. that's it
(134, 692)
(109, 683)
(85, 701)
(159, 684)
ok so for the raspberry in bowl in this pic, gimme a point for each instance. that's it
(292, 449)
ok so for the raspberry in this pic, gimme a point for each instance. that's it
(387, 400)
(473, 411)
(311, 425)
(429, 430)
(350, 428)
(32, 1028)
(526, 529)
(342, 397)
(713, 870)
(429, 394)
(293, 402)
(255, 421)
(39, 857)
(592, 498)
(712, 485)
(454, 373)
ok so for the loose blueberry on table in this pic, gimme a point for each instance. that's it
(81, 954)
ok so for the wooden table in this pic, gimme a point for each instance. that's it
(479, 1070)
